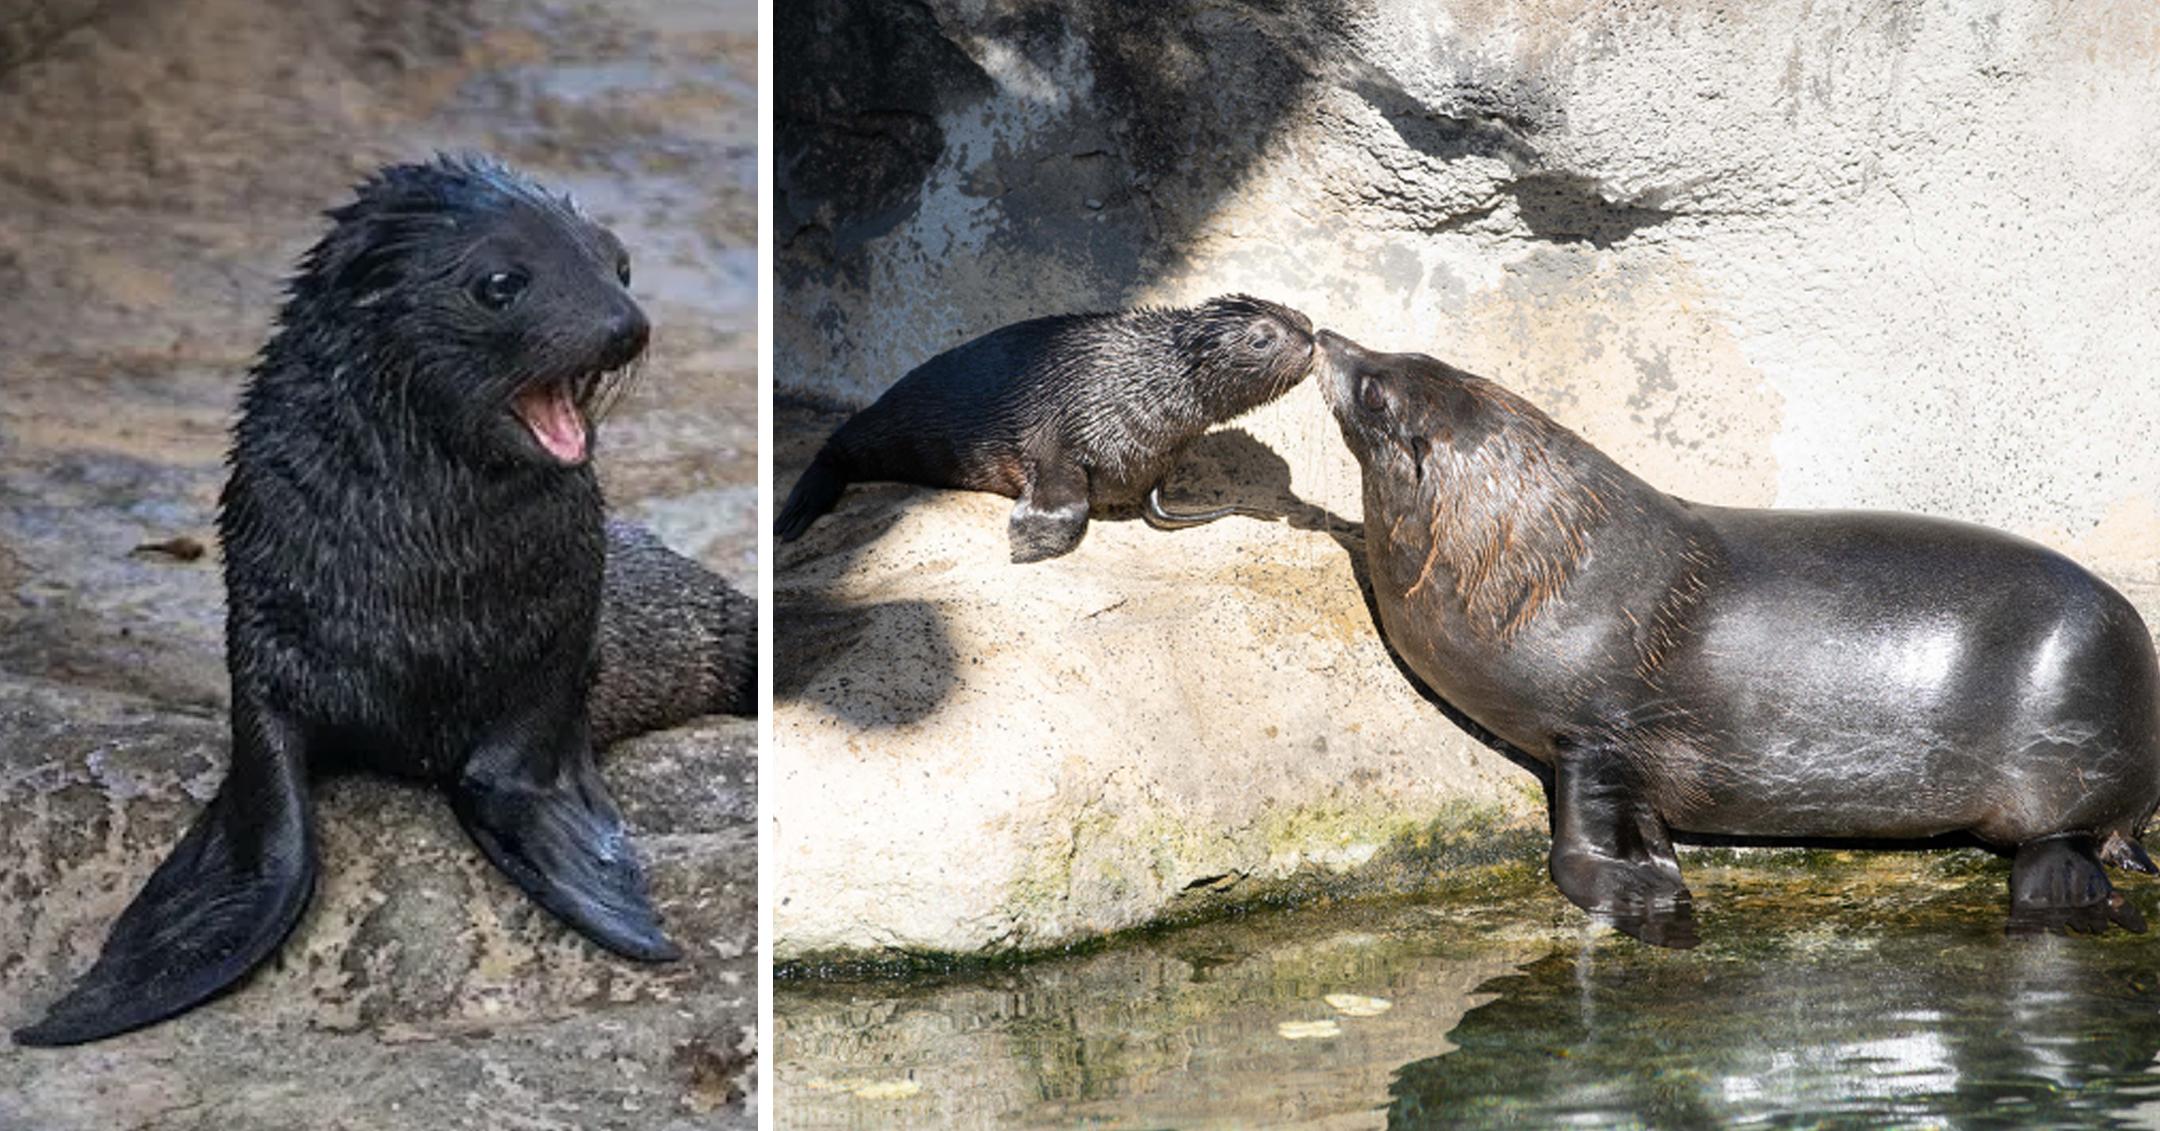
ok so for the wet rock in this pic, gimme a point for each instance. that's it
(27, 26)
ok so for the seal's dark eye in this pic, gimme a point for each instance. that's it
(1370, 396)
(622, 270)
(1262, 337)
(498, 289)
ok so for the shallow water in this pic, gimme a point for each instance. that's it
(1831, 989)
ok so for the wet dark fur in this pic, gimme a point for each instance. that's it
(1064, 413)
(415, 587)
(675, 641)
(1734, 672)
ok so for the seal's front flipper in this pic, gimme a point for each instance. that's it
(1611, 854)
(218, 905)
(1052, 514)
(547, 821)
(2056, 885)
(1163, 518)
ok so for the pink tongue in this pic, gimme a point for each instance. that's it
(554, 421)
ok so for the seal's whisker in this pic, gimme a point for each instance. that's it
(615, 386)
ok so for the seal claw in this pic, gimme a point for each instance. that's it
(2122, 852)
(1161, 517)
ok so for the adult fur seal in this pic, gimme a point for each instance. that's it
(415, 563)
(1066, 412)
(1791, 674)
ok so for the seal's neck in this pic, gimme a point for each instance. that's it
(331, 418)
(1507, 511)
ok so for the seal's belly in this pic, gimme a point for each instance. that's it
(1865, 693)
(1813, 783)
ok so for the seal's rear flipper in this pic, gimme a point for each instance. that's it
(676, 641)
(2056, 885)
(559, 837)
(219, 904)
(814, 494)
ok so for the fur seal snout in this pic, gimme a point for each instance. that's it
(1720, 670)
(1066, 413)
(418, 577)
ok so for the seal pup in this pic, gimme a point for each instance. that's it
(1789, 674)
(418, 576)
(1066, 413)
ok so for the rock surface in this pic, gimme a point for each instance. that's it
(160, 168)
(1782, 254)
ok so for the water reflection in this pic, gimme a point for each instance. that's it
(1831, 988)
(1955, 1024)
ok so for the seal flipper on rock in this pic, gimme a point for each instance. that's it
(1163, 518)
(547, 820)
(1052, 514)
(2056, 885)
(219, 904)
(814, 494)
(1611, 853)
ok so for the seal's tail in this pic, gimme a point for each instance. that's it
(226, 897)
(814, 494)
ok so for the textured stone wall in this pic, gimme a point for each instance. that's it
(26, 26)
(1793, 253)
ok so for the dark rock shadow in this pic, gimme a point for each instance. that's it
(1232, 467)
(911, 685)
(860, 87)
(813, 630)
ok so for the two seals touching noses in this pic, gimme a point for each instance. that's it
(1788, 674)
(1066, 413)
(421, 582)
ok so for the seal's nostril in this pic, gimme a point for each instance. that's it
(628, 332)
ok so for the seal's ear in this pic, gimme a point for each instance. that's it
(226, 897)
(368, 250)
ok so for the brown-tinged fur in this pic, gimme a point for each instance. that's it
(1739, 672)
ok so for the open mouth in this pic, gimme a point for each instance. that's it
(554, 412)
